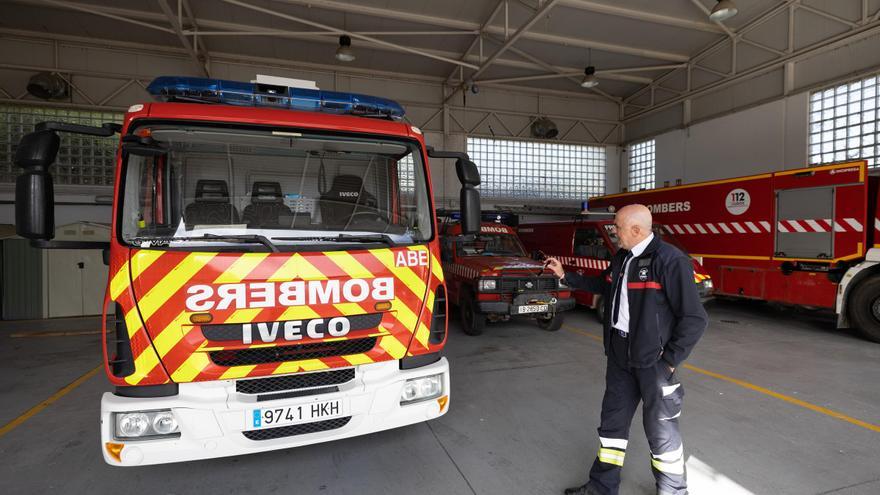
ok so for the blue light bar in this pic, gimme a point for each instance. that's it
(202, 90)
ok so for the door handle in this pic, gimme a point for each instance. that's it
(81, 265)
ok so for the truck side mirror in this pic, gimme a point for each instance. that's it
(34, 194)
(469, 198)
(142, 146)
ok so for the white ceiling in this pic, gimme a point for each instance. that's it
(610, 34)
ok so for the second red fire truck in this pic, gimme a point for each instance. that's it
(808, 237)
(585, 246)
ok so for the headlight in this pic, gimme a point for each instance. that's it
(487, 284)
(707, 283)
(421, 389)
(140, 424)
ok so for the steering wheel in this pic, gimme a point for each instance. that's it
(368, 215)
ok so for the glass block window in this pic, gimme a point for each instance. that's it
(843, 123)
(538, 170)
(82, 160)
(641, 166)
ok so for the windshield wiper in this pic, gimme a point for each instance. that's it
(383, 238)
(249, 238)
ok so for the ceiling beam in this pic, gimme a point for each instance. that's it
(199, 43)
(119, 13)
(641, 15)
(495, 11)
(612, 74)
(832, 43)
(542, 11)
(282, 33)
(717, 45)
(98, 11)
(250, 60)
(575, 80)
(626, 49)
(178, 30)
(377, 41)
(317, 37)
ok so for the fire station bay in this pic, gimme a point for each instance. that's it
(470, 247)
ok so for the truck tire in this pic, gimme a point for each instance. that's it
(472, 321)
(600, 309)
(551, 324)
(864, 308)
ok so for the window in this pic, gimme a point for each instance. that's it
(843, 123)
(534, 170)
(588, 242)
(641, 166)
(317, 190)
(83, 160)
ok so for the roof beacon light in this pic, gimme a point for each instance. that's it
(258, 94)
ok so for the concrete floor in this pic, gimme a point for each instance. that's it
(524, 409)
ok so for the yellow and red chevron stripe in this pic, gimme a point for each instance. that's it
(164, 339)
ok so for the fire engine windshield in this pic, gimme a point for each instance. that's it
(491, 245)
(227, 187)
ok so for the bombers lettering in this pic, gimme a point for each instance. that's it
(294, 293)
(670, 207)
(488, 229)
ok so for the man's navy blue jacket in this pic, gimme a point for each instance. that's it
(666, 317)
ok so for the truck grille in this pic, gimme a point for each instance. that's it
(294, 382)
(293, 430)
(520, 284)
(232, 331)
(291, 352)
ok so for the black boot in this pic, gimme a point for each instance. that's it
(585, 489)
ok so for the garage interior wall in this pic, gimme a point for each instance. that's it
(99, 70)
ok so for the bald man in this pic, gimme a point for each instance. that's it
(653, 319)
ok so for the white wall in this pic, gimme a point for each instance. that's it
(768, 137)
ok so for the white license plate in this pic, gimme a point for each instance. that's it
(270, 417)
(533, 308)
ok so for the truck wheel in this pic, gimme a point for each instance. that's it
(600, 309)
(472, 321)
(864, 308)
(552, 323)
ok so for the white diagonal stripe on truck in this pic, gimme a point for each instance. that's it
(854, 224)
(815, 226)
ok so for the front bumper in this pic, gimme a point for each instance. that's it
(506, 308)
(212, 415)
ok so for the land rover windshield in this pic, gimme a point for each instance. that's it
(491, 245)
(213, 187)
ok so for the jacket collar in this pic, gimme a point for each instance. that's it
(652, 246)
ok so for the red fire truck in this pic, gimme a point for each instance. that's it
(585, 246)
(491, 278)
(807, 237)
(274, 269)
